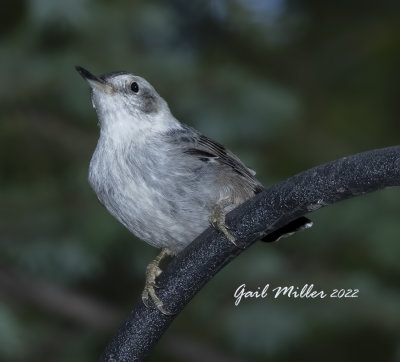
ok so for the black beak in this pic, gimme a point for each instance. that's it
(94, 82)
(87, 75)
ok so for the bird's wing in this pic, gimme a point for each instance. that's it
(203, 148)
(206, 150)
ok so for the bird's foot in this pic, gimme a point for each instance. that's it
(217, 220)
(153, 270)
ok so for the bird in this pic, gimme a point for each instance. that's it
(163, 180)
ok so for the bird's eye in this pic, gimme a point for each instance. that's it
(134, 87)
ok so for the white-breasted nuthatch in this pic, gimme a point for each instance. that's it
(163, 180)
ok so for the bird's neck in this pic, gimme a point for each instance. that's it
(123, 128)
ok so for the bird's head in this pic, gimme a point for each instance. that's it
(127, 101)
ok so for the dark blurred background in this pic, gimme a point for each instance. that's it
(286, 85)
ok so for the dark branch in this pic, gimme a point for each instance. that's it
(265, 213)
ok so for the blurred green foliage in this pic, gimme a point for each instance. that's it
(285, 84)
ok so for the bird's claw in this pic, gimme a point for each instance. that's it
(217, 220)
(152, 272)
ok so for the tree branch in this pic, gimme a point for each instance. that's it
(266, 212)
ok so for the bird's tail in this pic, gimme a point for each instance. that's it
(296, 225)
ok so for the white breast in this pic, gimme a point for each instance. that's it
(137, 188)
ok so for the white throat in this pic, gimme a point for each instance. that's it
(118, 123)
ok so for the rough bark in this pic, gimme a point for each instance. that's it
(265, 213)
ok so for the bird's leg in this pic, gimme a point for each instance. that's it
(217, 219)
(153, 270)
